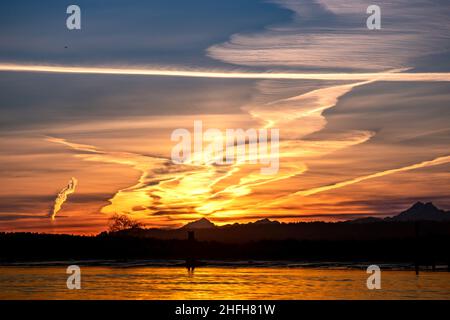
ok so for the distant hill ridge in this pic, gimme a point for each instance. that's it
(418, 212)
(422, 211)
(203, 223)
(401, 226)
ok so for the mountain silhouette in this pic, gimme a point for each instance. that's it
(400, 226)
(418, 212)
(203, 223)
(394, 239)
(266, 221)
(422, 212)
(365, 220)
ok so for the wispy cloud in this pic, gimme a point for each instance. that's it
(188, 191)
(332, 34)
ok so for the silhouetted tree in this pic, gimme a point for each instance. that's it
(120, 222)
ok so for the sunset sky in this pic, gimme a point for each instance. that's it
(363, 114)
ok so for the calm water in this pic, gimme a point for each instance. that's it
(218, 283)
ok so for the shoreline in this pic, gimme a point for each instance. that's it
(334, 265)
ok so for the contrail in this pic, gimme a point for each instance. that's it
(312, 191)
(62, 197)
(424, 164)
(382, 76)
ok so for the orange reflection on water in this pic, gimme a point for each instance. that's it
(218, 283)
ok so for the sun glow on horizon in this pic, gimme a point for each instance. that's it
(179, 193)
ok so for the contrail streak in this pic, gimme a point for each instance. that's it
(312, 191)
(424, 164)
(383, 76)
(62, 197)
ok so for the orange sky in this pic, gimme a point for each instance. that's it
(124, 166)
(363, 115)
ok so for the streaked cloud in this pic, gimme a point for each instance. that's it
(188, 191)
(332, 34)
